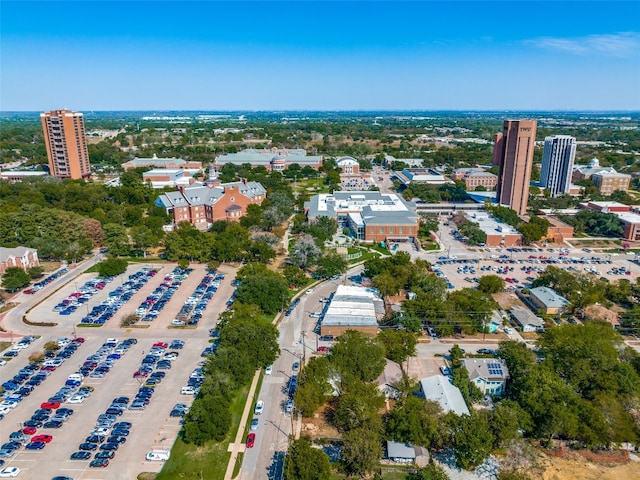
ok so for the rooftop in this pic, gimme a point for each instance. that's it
(525, 317)
(351, 305)
(491, 225)
(489, 369)
(266, 155)
(549, 297)
(439, 389)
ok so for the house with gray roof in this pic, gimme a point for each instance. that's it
(526, 320)
(490, 375)
(439, 389)
(548, 300)
(369, 215)
(201, 204)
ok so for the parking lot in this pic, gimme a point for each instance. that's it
(151, 427)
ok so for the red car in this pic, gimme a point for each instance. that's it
(29, 291)
(139, 373)
(29, 430)
(251, 439)
(161, 344)
(78, 340)
(42, 438)
(50, 405)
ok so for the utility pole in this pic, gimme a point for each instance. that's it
(304, 348)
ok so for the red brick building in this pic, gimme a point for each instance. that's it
(201, 204)
(21, 257)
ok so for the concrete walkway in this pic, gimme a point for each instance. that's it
(238, 445)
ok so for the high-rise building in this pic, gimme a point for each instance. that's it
(557, 164)
(66, 142)
(515, 156)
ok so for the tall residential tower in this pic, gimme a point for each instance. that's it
(557, 164)
(515, 156)
(66, 142)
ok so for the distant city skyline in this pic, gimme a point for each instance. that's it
(326, 55)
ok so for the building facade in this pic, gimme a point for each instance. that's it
(201, 204)
(348, 166)
(20, 257)
(273, 159)
(370, 216)
(516, 160)
(557, 164)
(66, 142)
(155, 162)
(607, 182)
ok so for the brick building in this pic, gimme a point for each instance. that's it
(21, 257)
(65, 138)
(201, 204)
(155, 162)
(370, 216)
(607, 182)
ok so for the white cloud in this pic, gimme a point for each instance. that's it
(622, 44)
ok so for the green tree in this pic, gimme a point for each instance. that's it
(358, 406)
(116, 239)
(331, 264)
(269, 291)
(314, 388)
(35, 272)
(491, 284)
(416, 421)
(358, 355)
(361, 452)
(208, 419)
(469, 391)
(398, 344)
(303, 462)
(295, 276)
(472, 440)
(14, 278)
(112, 267)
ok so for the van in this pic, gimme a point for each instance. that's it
(78, 377)
(157, 455)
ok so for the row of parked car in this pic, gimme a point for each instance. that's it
(46, 281)
(49, 415)
(81, 296)
(15, 349)
(28, 378)
(195, 305)
(106, 309)
(150, 308)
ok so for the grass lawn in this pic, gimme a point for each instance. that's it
(210, 461)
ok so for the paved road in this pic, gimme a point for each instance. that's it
(152, 427)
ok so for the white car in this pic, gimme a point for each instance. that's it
(268, 370)
(76, 399)
(259, 407)
(9, 472)
(2, 362)
(188, 390)
(310, 291)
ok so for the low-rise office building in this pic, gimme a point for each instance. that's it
(370, 216)
(607, 182)
(548, 300)
(421, 175)
(167, 177)
(498, 233)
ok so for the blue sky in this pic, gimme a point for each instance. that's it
(326, 55)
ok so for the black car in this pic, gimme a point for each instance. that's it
(121, 400)
(177, 413)
(114, 411)
(120, 432)
(95, 439)
(108, 454)
(88, 446)
(52, 424)
(64, 411)
(109, 446)
(11, 446)
(80, 456)
(122, 426)
(40, 417)
(33, 423)
(99, 463)
(116, 439)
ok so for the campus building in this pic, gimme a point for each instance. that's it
(427, 176)
(628, 216)
(475, 177)
(515, 154)
(499, 234)
(557, 164)
(66, 142)
(172, 163)
(273, 159)
(20, 257)
(607, 182)
(201, 204)
(370, 216)
(167, 177)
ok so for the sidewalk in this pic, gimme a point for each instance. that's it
(238, 445)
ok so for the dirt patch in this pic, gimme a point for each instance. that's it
(50, 266)
(317, 427)
(576, 467)
(507, 300)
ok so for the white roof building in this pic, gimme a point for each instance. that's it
(439, 389)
